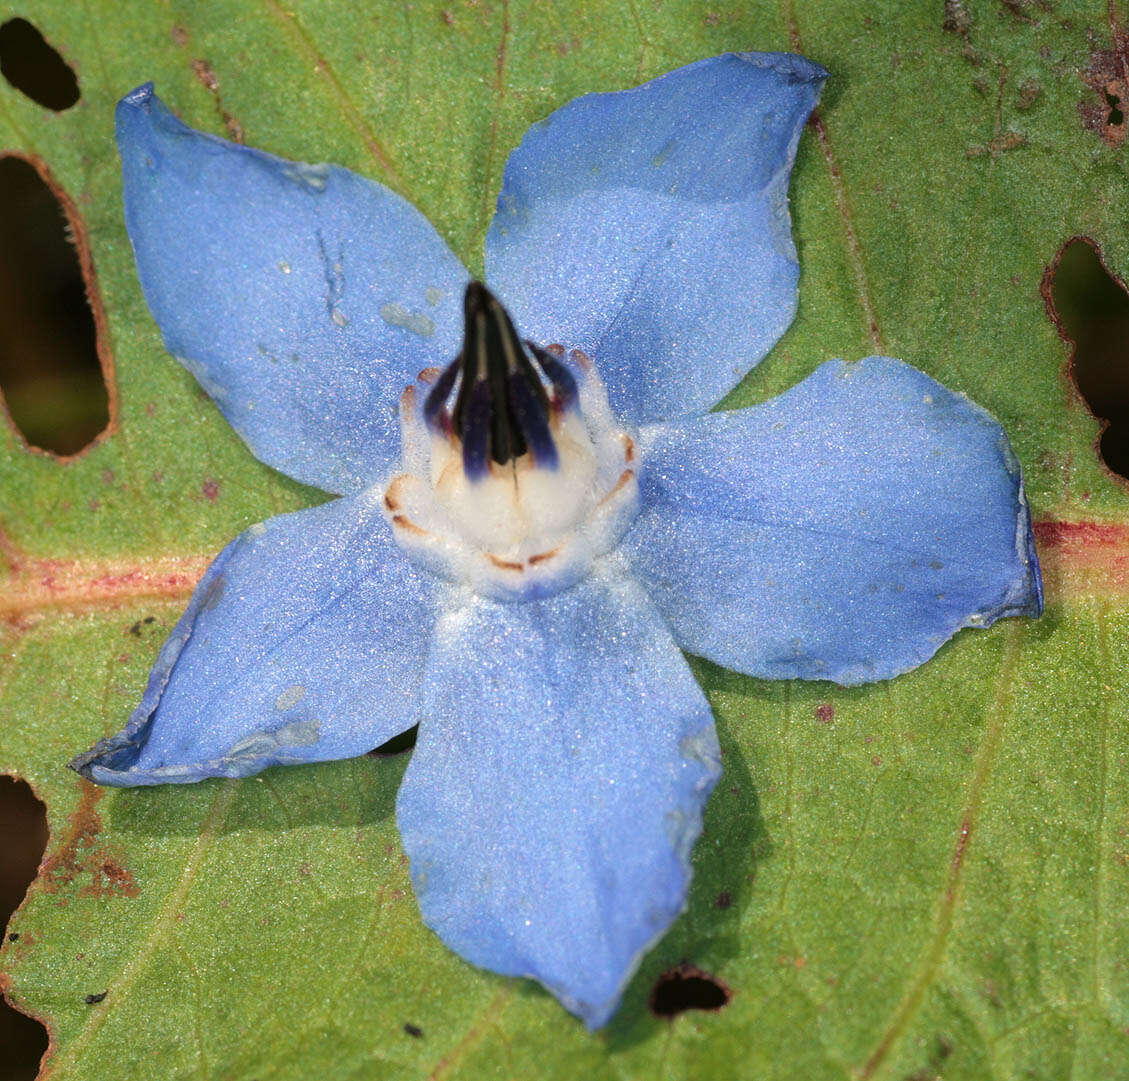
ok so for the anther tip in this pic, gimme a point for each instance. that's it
(477, 298)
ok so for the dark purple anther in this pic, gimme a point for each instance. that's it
(502, 408)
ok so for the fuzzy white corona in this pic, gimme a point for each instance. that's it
(517, 490)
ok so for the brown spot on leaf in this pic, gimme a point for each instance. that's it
(206, 77)
(1018, 10)
(1029, 91)
(81, 854)
(956, 19)
(1102, 111)
(210, 490)
(825, 713)
(1007, 140)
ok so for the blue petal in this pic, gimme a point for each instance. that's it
(303, 642)
(650, 228)
(557, 787)
(843, 531)
(303, 297)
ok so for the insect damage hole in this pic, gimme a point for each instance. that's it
(23, 839)
(1091, 310)
(34, 68)
(1116, 117)
(687, 988)
(54, 362)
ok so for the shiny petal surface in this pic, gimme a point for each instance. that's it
(303, 642)
(843, 531)
(650, 228)
(556, 789)
(303, 297)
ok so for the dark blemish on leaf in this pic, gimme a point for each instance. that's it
(956, 19)
(405, 741)
(34, 68)
(179, 36)
(1018, 10)
(1102, 110)
(724, 899)
(1090, 308)
(413, 1030)
(687, 988)
(825, 713)
(149, 619)
(1116, 118)
(206, 77)
(93, 1000)
(1008, 140)
(210, 490)
(135, 630)
(14, 936)
(942, 1050)
(1029, 92)
(81, 854)
(56, 372)
(992, 994)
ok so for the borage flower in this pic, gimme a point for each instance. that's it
(520, 551)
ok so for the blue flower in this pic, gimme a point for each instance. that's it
(524, 545)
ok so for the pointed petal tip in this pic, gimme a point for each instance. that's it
(793, 66)
(139, 97)
(136, 119)
(706, 150)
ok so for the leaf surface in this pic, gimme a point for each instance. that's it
(927, 876)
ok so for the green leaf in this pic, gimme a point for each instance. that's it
(923, 877)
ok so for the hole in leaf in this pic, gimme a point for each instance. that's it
(51, 374)
(34, 68)
(405, 741)
(1091, 309)
(687, 988)
(23, 838)
(1116, 116)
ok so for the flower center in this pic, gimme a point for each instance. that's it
(515, 476)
